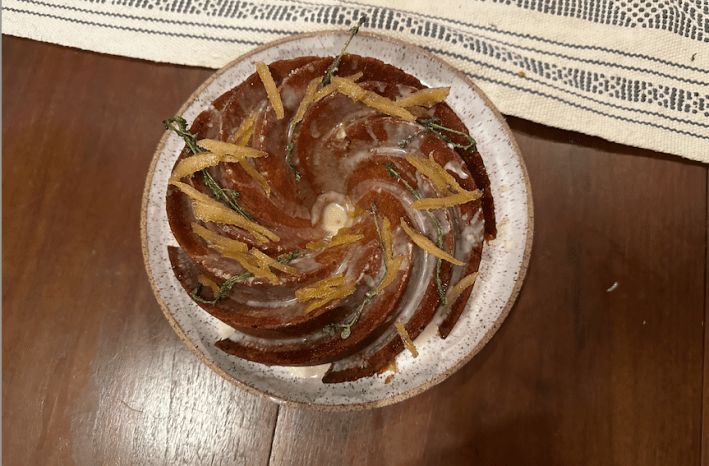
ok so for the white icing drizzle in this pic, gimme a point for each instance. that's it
(456, 168)
(224, 330)
(309, 372)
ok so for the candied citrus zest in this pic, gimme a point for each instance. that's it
(316, 304)
(393, 267)
(424, 167)
(348, 88)
(387, 106)
(428, 246)
(212, 211)
(252, 264)
(450, 180)
(258, 177)
(271, 90)
(267, 261)
(438, 175)
(391, 367)
(324, 291)
(226, 149)
(308, 99)
(425, 97)
(246, 129)
(448, 201)
(461, 286)
(341, 240)
(330, 88)
(324, 92)
(335, 293)
(316, 245)
(406, 339)
(194, 164)
(371, 99)
(319, 289)
(219, 242)
(207, 209)
(206, 281)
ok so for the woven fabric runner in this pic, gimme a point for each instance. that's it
(629, 71)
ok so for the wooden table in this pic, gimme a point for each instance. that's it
(601, 361)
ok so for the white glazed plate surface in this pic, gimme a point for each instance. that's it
(502, 269)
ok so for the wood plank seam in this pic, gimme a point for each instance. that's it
(273, 437)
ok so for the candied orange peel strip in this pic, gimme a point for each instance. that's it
(371, 99)
(319, 289)
(206, 281)
(438, 175)
(260, 264)
(428, 245)
(219, 242)
(314, 93)
(342, 238)
(194, 164)
(391, 367)
(392, 270)
(444, 181)
(307, 99)
(406, 339)
(208, 159)
(207, 209)
(241, 138)
(393, 264)
(324, 291)
(267, 261)
(461, 286)
(425, 97)
(448, 201)
(230, 152)
(271, 90)
(245, 131)
(253, 265)
(253, 173)
(217, 152)
(330, 88)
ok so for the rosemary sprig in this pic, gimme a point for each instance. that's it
(229, 283)
(229, 195)
(326, 80)
(432, 125)
(289, 153)
(408, 140)
(290, 256)
(179, 126)
(439, 230)
(226, 286)
(347, 326)
(333, 67)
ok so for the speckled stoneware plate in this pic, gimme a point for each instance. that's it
(504, 260)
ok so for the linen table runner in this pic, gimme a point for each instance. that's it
(630, 71)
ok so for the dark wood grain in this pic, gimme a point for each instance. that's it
(92, 372)
(705, 404)
(601, 361)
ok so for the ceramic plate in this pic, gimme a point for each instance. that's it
(504, 260)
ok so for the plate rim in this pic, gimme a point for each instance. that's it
(526, 254)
